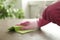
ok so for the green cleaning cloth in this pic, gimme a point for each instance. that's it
(18, 29)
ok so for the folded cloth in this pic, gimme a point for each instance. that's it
(18, 29)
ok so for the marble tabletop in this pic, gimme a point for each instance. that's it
(47, 32)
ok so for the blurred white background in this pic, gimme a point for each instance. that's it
(34, 8)
(31, 8)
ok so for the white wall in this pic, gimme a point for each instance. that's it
(36, 8)
(25, 6)
(25, 2)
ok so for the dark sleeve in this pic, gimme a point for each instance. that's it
(45, 18)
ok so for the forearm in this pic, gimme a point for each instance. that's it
(34, 24)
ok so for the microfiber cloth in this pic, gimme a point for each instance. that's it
(18, 29)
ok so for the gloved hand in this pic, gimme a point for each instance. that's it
(28, 25)
(24, 23)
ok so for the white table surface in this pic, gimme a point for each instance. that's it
(49, 32)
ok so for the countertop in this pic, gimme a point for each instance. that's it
(48, 32)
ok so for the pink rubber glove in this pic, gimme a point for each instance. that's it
(28, 25)
(24, 23)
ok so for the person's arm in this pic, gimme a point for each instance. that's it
(38, 23)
